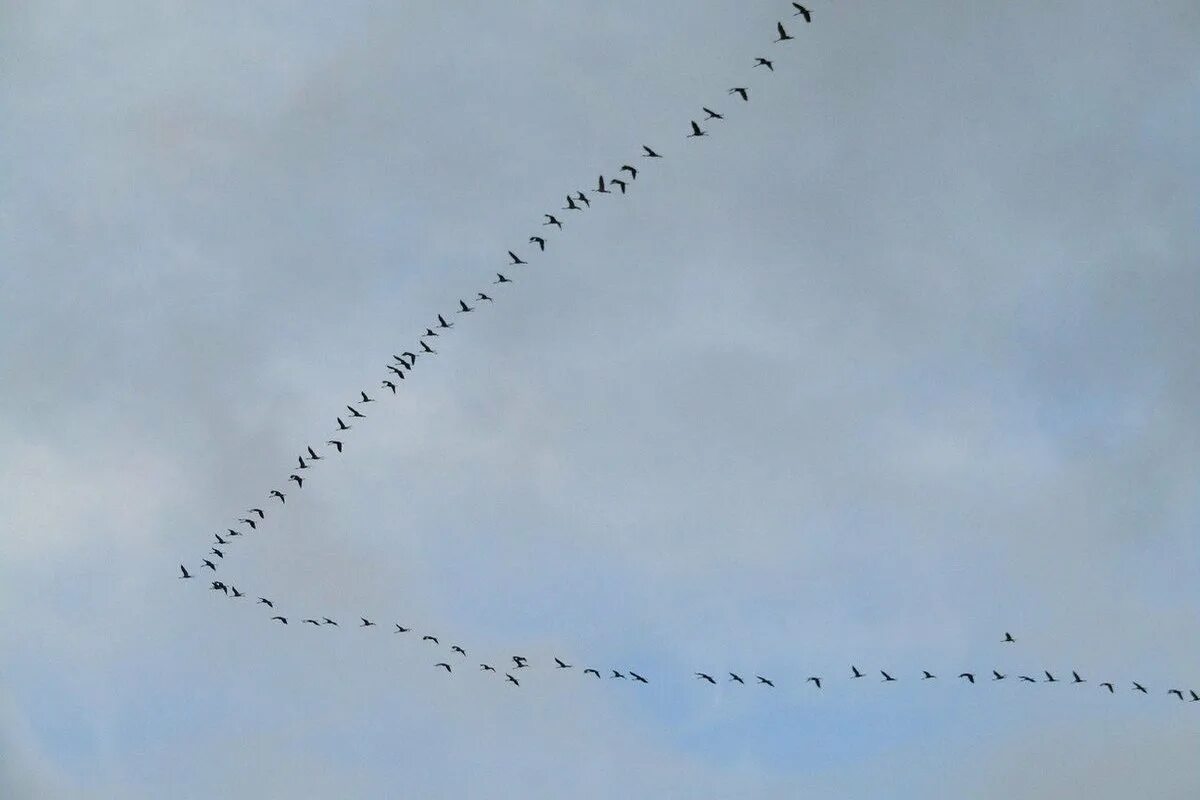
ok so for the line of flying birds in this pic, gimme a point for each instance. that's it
(404, 363)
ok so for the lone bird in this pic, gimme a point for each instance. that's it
(648, 153)
(459, 650)
(581, 197)
(313, 454)
(310, 622)
(261, 514)
(763, 680)
(183, 573)
(365, 399)
(886, 677)
(969, 676)
(401, 629)
(814, 679)
(783, 34)
(443, 665)
(441, 324)
(997, 676)
(520, 661)
(264, 601)
(705, 677)
(600, 188)
(366, 623)
(926, 675)
(1137, 687)
(854, 673)
(280, 619)
(539, 241)
(1176, 692)
(236, 593)
(428, 638)
(801, 11)
(210, 565)
(1108, 686)
(590, 671)
(741, 90)
(515, 258)
(486, 668)
(570, 206)
(1049, 678)
(482, 296)
(1008, 638)
(328, 621)
(426, 348)
(1076, 679)
(247, 521)
(551, 220)
(696, 131)
(616, 674)
(561, 664)
(389, 385)
(501, 279)
(217, 586)
(342, 426)
(301, 465)
(336, 444)
(765, 62)
(1028, 679)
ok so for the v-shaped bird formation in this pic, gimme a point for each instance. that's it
(616, 184)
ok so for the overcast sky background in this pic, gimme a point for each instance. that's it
(900, 357)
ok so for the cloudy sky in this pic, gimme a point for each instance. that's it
(900, 357)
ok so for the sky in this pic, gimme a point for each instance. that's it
(901, 356)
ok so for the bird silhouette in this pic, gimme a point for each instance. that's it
(854, 673)
(183, 573)
(741, 90)
(365, 399)
(312, 454)
(1008, 638)
(648, 153)
(1176, 692)
(783, 34)
(459, 650)
(401, 629)
(640, 679)
(443, 665)
(711, 114)
(210, 565)
(600, 189)
(520, 660)
(481, 296)
(581, 197)
(501, 279)
(264, 601)
(539, 241)
(996, 676)
(733, 676)
(278, 494)
(426, 348)
(217, 553)
(763, 680)
(515, 258)
(441, 324)
(551, 220)
(801, 11)
(486, 668)
(236, 593)
(561, 664)
(1075, 677)
(1028, 679)
(1137, 687)
(765, 62)
(217, 586)
(261, 514)
(399, 373)
(389, 385)
(463, 308)
(590, 671)
(706, 677)
(886, 677)
(969, 676)
(280, 619)
(247, 521)
(301, 465)
(511, 679)
(814, 679)
(616, 674)
(1049, 678)
(926, 675)
(618, 183)
(354, 412)
(342, 426)
(1108, 686)
(366, 623)
(299, 481)
(328, 621)
(428, 638)
(570, 206)
(413, 356)
(336, 444)
(696, 131)
(632, 170)
(310, 622)
(1195, 697)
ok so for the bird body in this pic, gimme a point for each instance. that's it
(741, 90)
(801, 11)
(765, 62)
(696, 131)
(183, 572)
(706, 677)
(649, 153)
(783, 34)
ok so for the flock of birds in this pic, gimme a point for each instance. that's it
(404, 363)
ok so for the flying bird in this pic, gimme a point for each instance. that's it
(711, 114)
(1050, 678)
(428, 638)
(247, 521)
(764, 62)
(696, 131)
(539, 241)
(854, 673)
(312, 454)
(354, 412)
(280, 619)
(581, 197)
(600, 189)
(741, 90)
(783, 34)
(551, 220)
(236, 593)
(217, 586)
(482, 296)
(511, 679)
(399, 373)
(561, 664)
(886, 677)
(1076, 679)
(342, 426)
(486, 668)
(365, 399)
(336, 444)
(706, 677)
(183, 573)
(264, 601)
(261, 514)
(570, 206)
(459, 650)
(1028, 679)
(1108, 686)
(279, 494)
(310, 622)
(515, 258)
(519, 660)
(1137, 687)
(649, 153)
(302, 465)
(1008, 638)
(619, 183)
(997, 676)
(427, 348)
(815, 680)
(463, 308)
(926, 675)
(299, 481)
(429, 332)
(616, 674)
(366, 623)
(1176, 692)
(442, 324)
(969, 676)
(590, 671)
(210, 565)
(328, 621)
(1195, 697)
(401, 629)
(801, 11)
(640, 679)
(735, 677)
(389, 385)
(761, 679)
(630, 169)
(443, 665)
(501, 279)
